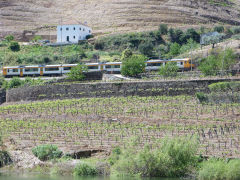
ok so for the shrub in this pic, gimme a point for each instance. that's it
(225, 86)
(202, 97)
(4, 158)
(133, 65)
(217, 61)
(126, 54)
(14, 46)
(89, 36)
(174, 50)
(219, 29)
(175, 158)
(9, 38)
(47, 152)
(114, 155)
(146, 48)
(77, 72)
(99, 45)
(14, 83)
(163, 29)
(217, 169)
(169, 70)
(85, 169)
(36, 38)
(236, 30)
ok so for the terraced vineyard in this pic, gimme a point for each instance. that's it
(101, 123)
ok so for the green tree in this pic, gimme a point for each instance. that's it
(169, 70)
(174, 50)
(217, 61)
(163, 29)
(77, 72)
(126, 54)
(9, 38)
(133, 65)
(146, 48)
(14, 46)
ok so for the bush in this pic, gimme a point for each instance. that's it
(218, 169)
(36, 38)
(175, 158)
(89, 36)
(169, 70)
(217, 61)
(4, 158)
(163, 29)
(202, 97)
(47, 152)
(14, 46)
(219, 29)
(14, 83)
(174, 50)
(126, 54)
(146, 48)
(225, 86)
(99, 45)
(85, 169)
(133, 65)
(236, 30)
(114, 155)
(77, 72)
(9, 38)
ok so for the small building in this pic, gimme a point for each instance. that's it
(72, 33)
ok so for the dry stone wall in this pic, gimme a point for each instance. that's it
(149, 88)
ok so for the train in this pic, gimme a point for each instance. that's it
(108, 67)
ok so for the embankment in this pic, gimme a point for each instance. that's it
(143, 88)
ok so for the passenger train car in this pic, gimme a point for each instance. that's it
(51, 70)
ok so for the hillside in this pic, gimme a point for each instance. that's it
(109, 16)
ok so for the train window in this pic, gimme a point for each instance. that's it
(31, 69)
(15, 70)
(92, 67)
(52, 69)
(181, 63)
(67, 68)
(116, 66)
(108, 66)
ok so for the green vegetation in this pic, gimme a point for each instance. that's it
(47, 152)
(133, 65)
(175, 158)
(9, 38)
(202, 97)
(233, 86)
(14, 46)
(163, 29)
(77, 72)
(17, 82)
(217, 61)
(84, 169)
(169, 70)
(218, 169)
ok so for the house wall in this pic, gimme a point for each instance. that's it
(78, 31)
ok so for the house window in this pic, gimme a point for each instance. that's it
(60, 29)
(89, 31)
(67, 28)
(74, 28)
(80, 29)
(73, 37)
(83, 29)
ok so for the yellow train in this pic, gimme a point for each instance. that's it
(59, 69)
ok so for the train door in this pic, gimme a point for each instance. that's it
(101, 67)
(41, 71)
(21, 72)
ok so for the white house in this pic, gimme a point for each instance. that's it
(72, 32)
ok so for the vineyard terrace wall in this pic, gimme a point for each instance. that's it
(146, 88)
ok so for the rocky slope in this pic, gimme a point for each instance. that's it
(109, 16)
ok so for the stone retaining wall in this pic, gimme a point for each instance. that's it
(146, 88)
